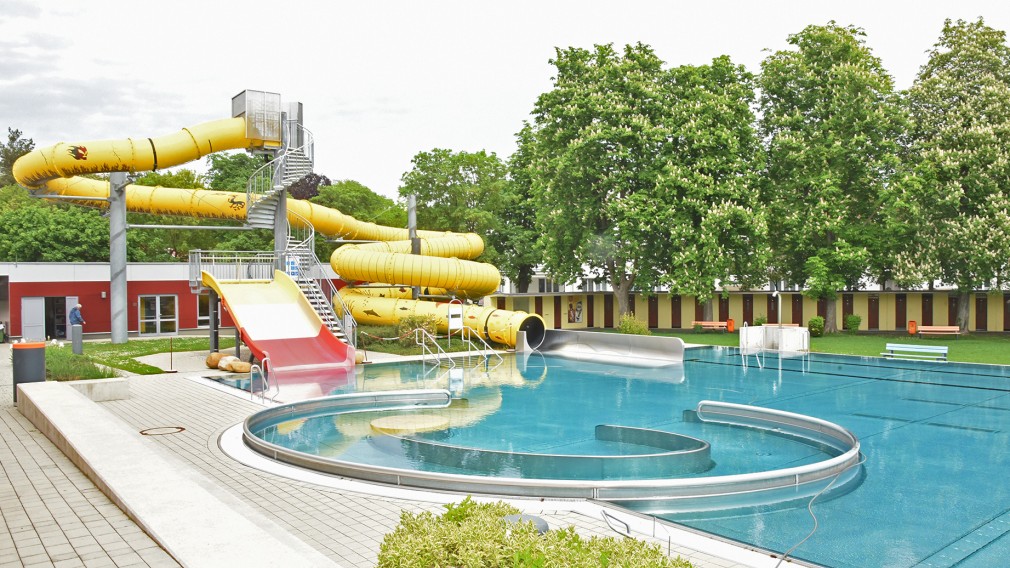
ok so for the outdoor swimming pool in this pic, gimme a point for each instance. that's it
(934, 438)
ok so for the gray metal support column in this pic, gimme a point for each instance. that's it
(415, 243)
(214, 305)
(281, 230)
(117, 256)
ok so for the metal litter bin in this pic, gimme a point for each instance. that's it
(29, 364)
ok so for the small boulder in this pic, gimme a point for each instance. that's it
(213, 359)
(226, 361)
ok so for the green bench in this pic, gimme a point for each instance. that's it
(905, 351)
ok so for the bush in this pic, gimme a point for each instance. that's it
(852, 322)
(476, 534)
(760, 320)
(405, 329)
(633, 326)
(816, 326)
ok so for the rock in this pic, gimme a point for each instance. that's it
(213, 359)
(226, 361)
(240, 367)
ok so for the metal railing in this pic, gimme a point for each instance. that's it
(269, 177)
(264, 376)
(230, 265)
(467, 335)
(422, 338)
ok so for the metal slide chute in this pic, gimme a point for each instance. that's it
(445, 260)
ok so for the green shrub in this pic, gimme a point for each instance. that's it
(476, 534)
(633, 326)
(63, 365)
(816, 326)
(852, 322)
(760, 320)
(405, 329)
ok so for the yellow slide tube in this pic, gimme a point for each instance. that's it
(444, 261)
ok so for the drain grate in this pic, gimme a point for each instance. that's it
(162, 430)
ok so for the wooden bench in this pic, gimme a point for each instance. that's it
(905, 351)
(939, 330)
(710, 324)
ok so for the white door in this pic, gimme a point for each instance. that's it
(33, 318)
(71, 302)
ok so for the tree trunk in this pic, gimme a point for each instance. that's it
(622, 288)
(525, 277)
(708, 310)
(830, 315)
(963, 310)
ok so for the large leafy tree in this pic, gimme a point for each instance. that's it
(14, 148)
(231, 171)
(716, 229)
(596, 147)
(519, 258)
(645, 175)
(830, 118)
(957, 195)
(354, 199)
(459, 191)
(35, 231)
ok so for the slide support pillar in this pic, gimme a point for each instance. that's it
(117, 256)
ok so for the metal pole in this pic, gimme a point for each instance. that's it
(214, 306)
(117, 256)
(415, 243)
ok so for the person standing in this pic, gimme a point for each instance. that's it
(75, 316)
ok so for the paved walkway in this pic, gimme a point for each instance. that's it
(52, 515)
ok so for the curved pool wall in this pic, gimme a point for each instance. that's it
(677, 495)
(626, 349)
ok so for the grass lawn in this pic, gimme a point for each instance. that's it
(122, 356)
(991, 348)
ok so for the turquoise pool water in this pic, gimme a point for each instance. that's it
(934, 437)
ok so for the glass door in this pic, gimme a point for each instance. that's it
(157, 315)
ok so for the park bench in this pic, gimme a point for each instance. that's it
(905, 351)
(939, 330)
(710, 324)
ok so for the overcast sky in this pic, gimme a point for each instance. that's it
(383, 80)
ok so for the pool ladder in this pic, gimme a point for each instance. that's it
(261, 372)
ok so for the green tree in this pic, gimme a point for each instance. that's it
(354, 199)
(957, 194)
(161, 245)
(715, 225)
(646, 175)
(231, 171)
(459, 191)
(15, 147)
(596, 152)
(518, 256)
(831, 120)
(36, 231)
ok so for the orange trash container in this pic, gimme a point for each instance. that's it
(29, 360)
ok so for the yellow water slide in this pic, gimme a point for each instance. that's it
(445, 261)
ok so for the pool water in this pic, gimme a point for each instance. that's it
(934, 437)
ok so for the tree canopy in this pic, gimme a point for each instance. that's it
(645, 175)
(15, 147)
(459, 191)
(957, 196)
(831, 121)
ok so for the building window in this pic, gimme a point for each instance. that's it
(203, 311)
(158, 315)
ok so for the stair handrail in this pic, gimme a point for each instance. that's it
(306, 249)
(269, 177)
(421, 338)
(468, 335)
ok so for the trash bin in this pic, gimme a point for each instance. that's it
(912, 327)
(29, 364)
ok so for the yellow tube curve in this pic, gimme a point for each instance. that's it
(445, 260)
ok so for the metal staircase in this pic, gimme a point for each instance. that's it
(264, 191)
